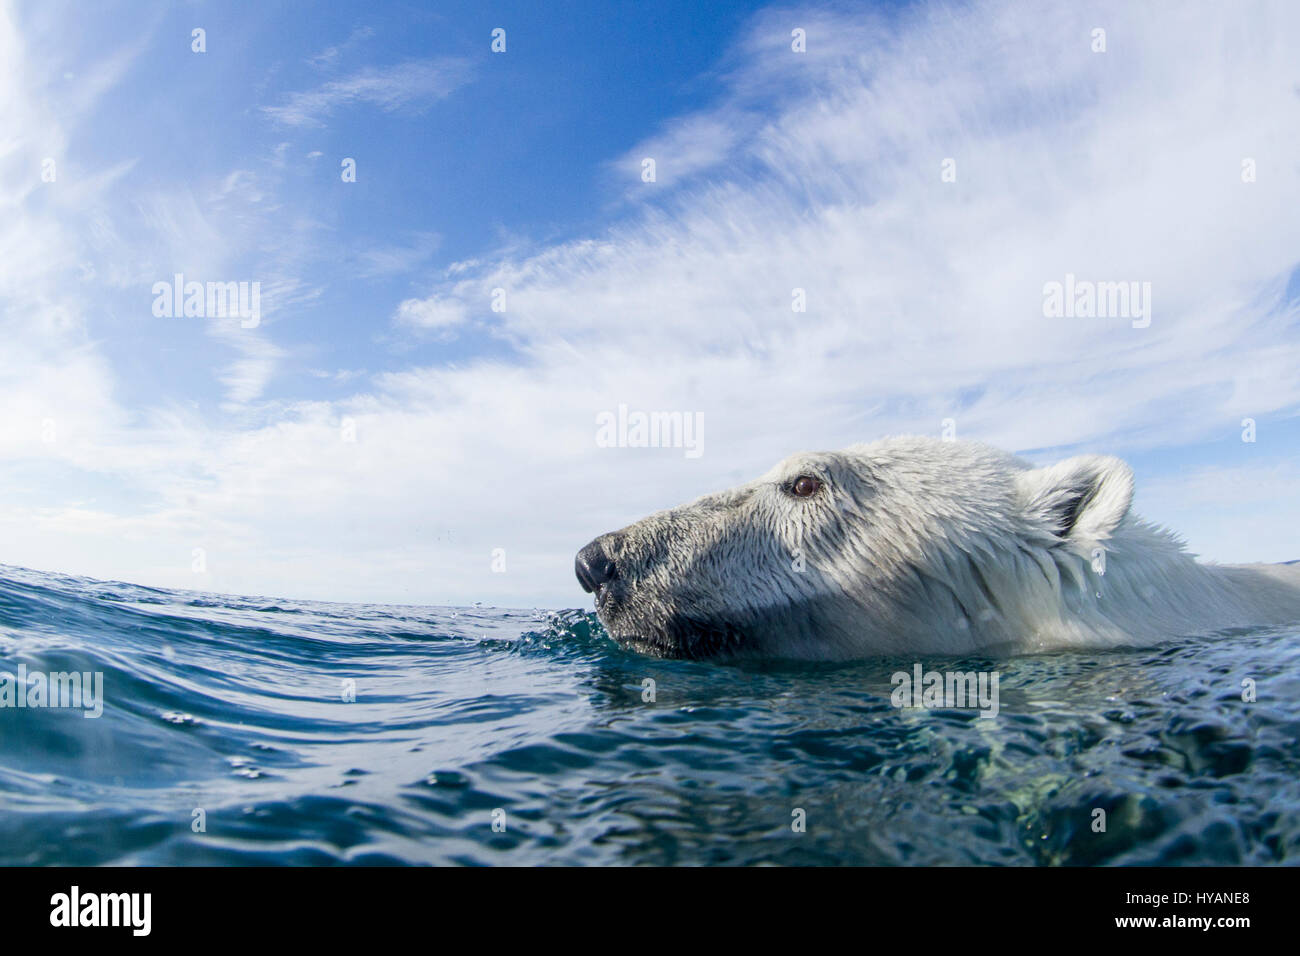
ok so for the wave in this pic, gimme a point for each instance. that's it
(244, 730)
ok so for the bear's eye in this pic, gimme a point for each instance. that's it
(805, 486)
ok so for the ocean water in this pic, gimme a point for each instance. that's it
(230, 712)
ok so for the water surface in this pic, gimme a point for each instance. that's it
(237, 707)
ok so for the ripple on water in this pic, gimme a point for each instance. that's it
(307, 733)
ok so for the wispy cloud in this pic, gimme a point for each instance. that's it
(246, 377)
(330, 56)
(431, 313)
(689, 146)
(410, 86)
(391, 259)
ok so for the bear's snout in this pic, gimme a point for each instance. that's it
(593, 566)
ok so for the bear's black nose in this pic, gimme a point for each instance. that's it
(593, 566)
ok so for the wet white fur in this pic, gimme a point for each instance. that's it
(918, 546)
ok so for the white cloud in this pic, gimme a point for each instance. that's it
(431, 313)
(390, 259)
(329, 56)
(407, 86)
(687, 148)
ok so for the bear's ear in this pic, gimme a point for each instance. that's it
(1081, 498)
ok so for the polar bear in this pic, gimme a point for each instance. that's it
(912, 546)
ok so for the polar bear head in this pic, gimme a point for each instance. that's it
(906, 545)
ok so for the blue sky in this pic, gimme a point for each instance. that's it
(131, 443)
(483, 148)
